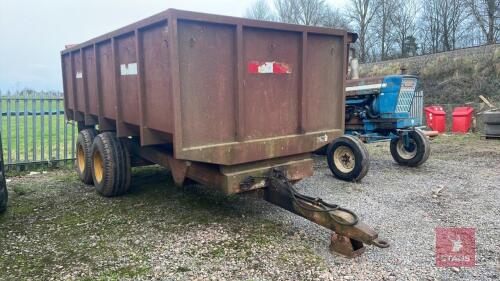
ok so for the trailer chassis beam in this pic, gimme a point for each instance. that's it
(349, 234)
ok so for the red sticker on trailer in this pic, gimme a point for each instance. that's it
(272, 67)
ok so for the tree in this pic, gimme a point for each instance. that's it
(260, 10)
(443, 24)
(335, 19)
(410, 46)
(486, 14)
(361, 13)
(383, 28)
(306, 12)
(286, 10)
(403, 23)
(311, 12)
(430, 26)
(452, 16)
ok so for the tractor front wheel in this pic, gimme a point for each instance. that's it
(413, 153)
(348, 158)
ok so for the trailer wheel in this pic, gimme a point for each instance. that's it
(83, 155)
(348, 158)
(414, 156)
(110, 165)
(4, 194)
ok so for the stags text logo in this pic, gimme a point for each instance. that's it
(455, 247)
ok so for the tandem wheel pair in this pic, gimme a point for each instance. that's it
(103, 160)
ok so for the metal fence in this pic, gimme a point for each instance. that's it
(417, 106)
(35, 131)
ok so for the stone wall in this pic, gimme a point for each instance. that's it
(454, 77)
(417, 62)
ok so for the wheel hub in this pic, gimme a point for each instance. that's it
(344, 159)
(98, 167)
(80, 159)
(407, 152)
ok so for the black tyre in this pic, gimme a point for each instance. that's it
(417, 153)
(110, 165)
(84, 156)
(348, 158)
(4, 198)
(4, 195)
(321, 151)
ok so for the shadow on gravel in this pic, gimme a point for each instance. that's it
(156, 182)
(57, 227)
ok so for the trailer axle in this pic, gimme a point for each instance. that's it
(349, 234)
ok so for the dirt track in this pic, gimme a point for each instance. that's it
(58, 228)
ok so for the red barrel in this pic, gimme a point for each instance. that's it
(462, 117)
(436, 118)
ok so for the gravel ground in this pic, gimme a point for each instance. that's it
(58, 228)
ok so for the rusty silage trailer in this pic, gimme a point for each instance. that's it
(232, 103)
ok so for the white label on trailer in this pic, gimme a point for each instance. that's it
(128, 69)
(266, 67)
(272, 67)
(323, 138)
(79, 75)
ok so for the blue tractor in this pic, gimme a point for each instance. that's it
(378, 109)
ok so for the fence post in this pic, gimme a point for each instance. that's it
(33, 124)
(9, 131)
(58, 128)
(25, 107)
(18, 136)
(42, 129)
(72, 139)
(65, 139)
(50, 129)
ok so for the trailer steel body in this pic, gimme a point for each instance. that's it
(227, 102)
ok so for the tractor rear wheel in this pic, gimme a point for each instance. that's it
(415, 153)
(348, 158)
(111, 170)
(83, 155)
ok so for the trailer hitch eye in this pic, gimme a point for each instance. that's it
(251, 182)
(381, 243)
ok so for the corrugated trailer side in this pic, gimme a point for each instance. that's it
(112, 91)
(185, 78)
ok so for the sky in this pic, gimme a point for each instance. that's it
(33, 32)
